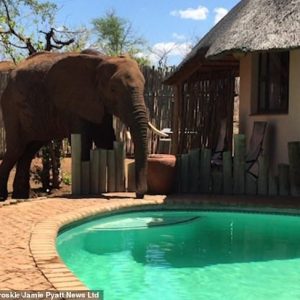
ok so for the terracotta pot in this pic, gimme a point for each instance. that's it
(161, 173)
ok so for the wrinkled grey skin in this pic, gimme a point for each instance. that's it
(49, 92)
(103, 134)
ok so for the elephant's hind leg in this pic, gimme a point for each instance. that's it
(21, 184)
(9, 160)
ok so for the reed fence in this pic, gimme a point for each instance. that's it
(205, 100)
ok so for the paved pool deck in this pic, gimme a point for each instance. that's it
(28, 258)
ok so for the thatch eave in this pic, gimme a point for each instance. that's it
(251, 26)
(201, 63)
(238, 53)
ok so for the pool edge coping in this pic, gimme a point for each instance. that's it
(42, 242)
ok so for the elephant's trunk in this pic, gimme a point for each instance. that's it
(139, 135)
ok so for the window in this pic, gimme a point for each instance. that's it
(273, 82)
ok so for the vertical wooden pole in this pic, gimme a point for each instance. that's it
(273, 185)
(217, 182)
(194, 170)
(85, 178)
(95, 171)
(102, 171)
(178, 182)
(227, 173)
(205, 171)
(251, 184)
(263, 180)
(120, 166)
(111, 171)
(294, 160)
(76, 164)
(176, 116)
(284, 183)
(131, 177)
(239, 164)
(185, 179)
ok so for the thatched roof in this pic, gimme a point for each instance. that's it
(252, 25)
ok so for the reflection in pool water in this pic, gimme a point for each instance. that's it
(187, 255)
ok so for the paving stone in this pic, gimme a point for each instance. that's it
(18, 269)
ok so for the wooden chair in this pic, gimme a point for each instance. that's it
(255, 146)
(217, 156)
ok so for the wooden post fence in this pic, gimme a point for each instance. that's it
(196, 173)
(105, 172)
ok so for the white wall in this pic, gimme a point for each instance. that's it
(281, 128)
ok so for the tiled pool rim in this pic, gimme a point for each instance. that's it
(43, 238)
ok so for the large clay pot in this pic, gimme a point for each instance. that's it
(161, 173)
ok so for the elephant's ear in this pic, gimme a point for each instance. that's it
(71, 84)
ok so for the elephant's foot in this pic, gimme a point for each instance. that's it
(3, 197)
(3, 194)
(21, 194)
(140, 196)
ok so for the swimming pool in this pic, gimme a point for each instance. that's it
(184, 255)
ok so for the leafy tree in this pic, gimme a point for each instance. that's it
(116, 36)
(20, 37)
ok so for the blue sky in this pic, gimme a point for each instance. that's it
(165, 24)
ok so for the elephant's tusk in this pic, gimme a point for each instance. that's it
(128, 135)
(157, 131)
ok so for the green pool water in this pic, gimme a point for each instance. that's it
(184, 255)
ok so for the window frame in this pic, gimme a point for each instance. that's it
(264, 76)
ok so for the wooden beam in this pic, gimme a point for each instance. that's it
(76, 164)
(185, 176)
(227, 173)
(120, 166)
(95, 171)
(284, 180)
(102, 170)
(176, 116)
(263, 173)
(85, 178)
(201, 64)
(205, 170)
(194, 170)
(131, 177)
(294, 160)
(239, 164)
(111, 171)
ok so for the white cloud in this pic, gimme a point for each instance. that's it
(172, 48)
(199, 13)
(220, 13)
(140, 55)
(169, 51)
(178, 36)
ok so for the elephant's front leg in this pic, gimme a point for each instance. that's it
(21, 186)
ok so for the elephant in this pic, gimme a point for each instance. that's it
(48, 93)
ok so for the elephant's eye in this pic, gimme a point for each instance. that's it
(113, 89)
